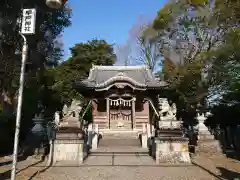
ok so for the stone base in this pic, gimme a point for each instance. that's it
(69, 145)
(209, 146)
(172, 150)
(69, 150)
(174, 158)
(205, 136)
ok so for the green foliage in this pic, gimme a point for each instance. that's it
(48, 20)
(77, 67)
(202, 34)
(41, 49)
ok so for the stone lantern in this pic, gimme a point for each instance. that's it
(202, 128)
(206, 141)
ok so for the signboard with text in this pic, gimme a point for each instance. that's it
(28, 21)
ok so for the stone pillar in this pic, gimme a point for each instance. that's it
(108, 112)
(144, 129)
(90, 134)
(153, 131)
(144, 136)
(49, 161)
(95, 137)
(133, 113)
(149, 134)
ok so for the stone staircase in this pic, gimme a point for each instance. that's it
(124, 141)
(119, 148)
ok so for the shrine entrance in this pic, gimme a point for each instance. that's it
(121, 112)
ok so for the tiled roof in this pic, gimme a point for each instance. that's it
(103, 76)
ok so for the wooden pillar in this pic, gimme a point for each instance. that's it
(133, 113)
(108, 113)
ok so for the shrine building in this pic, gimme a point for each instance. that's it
(123, 97)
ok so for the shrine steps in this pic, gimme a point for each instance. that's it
(119, 148)
(120, 141)
(119, 134)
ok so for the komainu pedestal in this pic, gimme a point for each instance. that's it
(170, 145)
(69, 144)
(172, 150)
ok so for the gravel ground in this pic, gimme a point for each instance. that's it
(203, 168)
(125, 173)
(125, 167)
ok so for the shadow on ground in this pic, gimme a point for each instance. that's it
(208, 171)
(225, 173)
(7, 174)
(20, 158)
(229, 174)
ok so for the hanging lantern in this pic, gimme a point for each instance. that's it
(55, 4)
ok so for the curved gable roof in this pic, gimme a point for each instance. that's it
(101, 77)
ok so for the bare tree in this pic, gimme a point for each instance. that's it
(141, 46)
(123, 53)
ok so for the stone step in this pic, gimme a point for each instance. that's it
(120, 150)
(119, 142)
(114, 158)
(118, 134)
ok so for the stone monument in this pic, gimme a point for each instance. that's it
(69, 141)
(171, 146)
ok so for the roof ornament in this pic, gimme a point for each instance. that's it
(120, 74)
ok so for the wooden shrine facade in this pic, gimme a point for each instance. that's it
(118, 95)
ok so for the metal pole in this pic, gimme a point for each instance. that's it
(19, 107)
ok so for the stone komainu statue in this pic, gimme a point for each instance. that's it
(167, 111)
(72, 111)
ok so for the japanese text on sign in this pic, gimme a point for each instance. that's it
(28, 21)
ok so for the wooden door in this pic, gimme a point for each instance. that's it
(121, 119)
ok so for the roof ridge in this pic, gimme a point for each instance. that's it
(139, 67)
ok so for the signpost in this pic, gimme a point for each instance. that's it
(28, 27)
(28, 21)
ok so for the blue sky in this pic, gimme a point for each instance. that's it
(106, 19)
